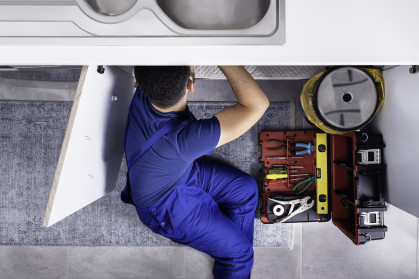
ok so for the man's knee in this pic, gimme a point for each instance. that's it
(250, 188)
(237, 266)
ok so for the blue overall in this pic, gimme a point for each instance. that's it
(211, 208)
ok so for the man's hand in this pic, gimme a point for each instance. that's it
(252, 104)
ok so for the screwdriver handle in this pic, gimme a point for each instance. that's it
(277, 171)
(276, 176)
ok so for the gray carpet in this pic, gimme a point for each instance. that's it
(31, 134)
(45, 73)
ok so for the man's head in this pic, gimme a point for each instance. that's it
(164, 86)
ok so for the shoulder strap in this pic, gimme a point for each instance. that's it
(168, 127)
(129, 115)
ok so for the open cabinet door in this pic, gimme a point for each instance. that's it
(92, 149)
(398, 121)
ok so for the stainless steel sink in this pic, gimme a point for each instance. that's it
(111, 7)
(215, 14)
(142, 22)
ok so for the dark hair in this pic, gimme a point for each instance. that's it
(163, 85)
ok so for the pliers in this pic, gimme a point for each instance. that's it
(279, 209)
(284, 145)
(309, 148)
(309, 182)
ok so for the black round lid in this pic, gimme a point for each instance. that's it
(346, 98)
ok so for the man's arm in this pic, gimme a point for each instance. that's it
(252, 104)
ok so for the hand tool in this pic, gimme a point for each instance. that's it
(284, 145)
(285, 166)
(283, 157)
(281, 167)
(281, 175)
(280, 181)
(303, 205)
(322, 205)
(309, 148)
(277, 181)
(299, 178)
(309, 182)
(276, 176)
(280, 171)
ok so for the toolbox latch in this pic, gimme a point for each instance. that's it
(369, 157)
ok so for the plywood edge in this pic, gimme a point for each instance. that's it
(46, 221)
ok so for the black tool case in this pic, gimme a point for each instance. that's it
(348, 174)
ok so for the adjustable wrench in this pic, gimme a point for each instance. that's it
(303, 206)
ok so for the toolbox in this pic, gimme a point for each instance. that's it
(311, 176)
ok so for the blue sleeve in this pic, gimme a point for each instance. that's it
(199, 138)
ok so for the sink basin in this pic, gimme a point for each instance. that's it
(215, 14)
(142, 22)
(111, 7)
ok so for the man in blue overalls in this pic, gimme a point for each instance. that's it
(189, 200)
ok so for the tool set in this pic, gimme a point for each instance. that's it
(314, 177)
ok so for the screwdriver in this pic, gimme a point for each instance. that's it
(283, 157)
(280, 171)
(285, 166)
(280, 175)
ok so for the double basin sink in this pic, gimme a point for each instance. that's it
(133, 22)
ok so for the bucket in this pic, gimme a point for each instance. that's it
(343, 99)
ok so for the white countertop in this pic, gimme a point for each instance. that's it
(368, 32)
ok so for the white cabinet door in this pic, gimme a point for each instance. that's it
(92, 150)
(398, 121)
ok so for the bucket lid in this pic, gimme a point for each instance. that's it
(346, 98)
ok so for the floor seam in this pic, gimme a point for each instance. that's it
(301, 252)
(417, 248)
(68, 262)
(184, 256)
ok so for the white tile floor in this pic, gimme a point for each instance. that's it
(320, 249)
(327, 253)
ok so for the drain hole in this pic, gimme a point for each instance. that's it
(347, 97)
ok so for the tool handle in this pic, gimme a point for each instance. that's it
(277, 171)
(276, 176)
(301, 144)
(302, 152)
(304, 189)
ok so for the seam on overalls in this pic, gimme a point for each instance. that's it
(173, 229)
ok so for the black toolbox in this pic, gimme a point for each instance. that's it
(338, 177)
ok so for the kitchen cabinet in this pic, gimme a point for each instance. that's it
(398, 121)
(89, 163)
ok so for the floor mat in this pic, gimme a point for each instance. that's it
(31, 135)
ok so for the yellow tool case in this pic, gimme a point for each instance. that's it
(311, 176)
